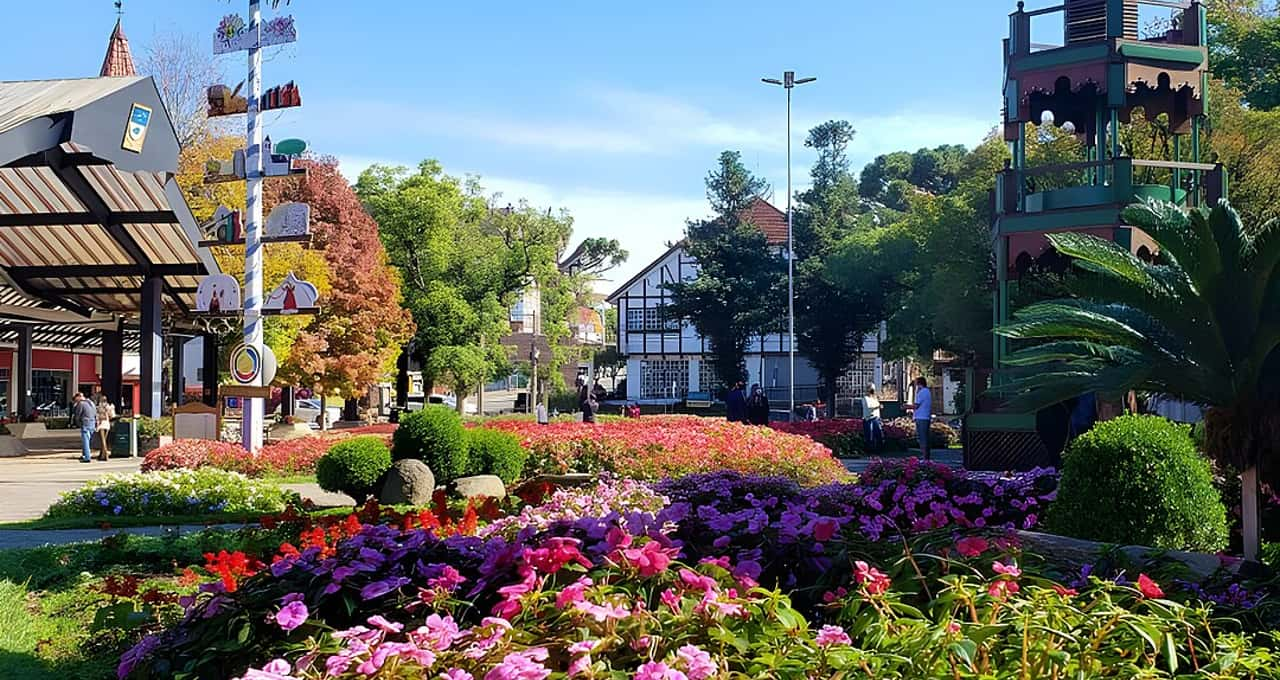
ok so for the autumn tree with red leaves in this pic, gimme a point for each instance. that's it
(354, 340)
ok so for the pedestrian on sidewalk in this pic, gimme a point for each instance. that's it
(872, 426)
(84, 414)
(105, 414)
(922, 412)
(758, 406)
(735, 403)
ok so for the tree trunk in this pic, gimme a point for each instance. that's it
(831, 398)
(461, 401)
(1249, 512)
(480, 401)
(351, 410)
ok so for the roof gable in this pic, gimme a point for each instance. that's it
(769, 219)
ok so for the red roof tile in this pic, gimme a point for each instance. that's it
(119, 61)
(767, 218)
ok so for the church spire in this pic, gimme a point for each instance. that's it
(119, 61)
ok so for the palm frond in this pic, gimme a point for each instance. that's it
(1182, 238)
(1108, 259)
(1073, 352)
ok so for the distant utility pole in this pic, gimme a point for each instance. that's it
(788, 83)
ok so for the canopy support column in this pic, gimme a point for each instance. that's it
(151, 371)
(177, 367)
(22, 371)
(112, 365)
(209, 362)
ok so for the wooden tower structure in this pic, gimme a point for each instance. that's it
(1097, 77)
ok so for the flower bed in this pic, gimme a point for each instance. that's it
(173, 492)
(284, 458)
(654, 448)
(844, 435)
(636, 593)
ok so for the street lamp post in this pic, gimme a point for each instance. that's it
(788, 82)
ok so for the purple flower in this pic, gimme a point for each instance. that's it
(380, 588)
(292, 615)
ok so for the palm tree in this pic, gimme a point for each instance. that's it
(1201, 325)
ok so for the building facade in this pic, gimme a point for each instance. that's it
(668, 359)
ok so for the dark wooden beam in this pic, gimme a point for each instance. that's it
(126, 217)
(91, 270)
(79, 186)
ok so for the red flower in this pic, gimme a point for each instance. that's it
(972, 546)
(1149, 588)
(873, 580)
(1064, 591)
(824, 529)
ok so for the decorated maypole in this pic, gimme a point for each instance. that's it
(252, 363)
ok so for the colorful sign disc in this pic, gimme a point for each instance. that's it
(246, 364)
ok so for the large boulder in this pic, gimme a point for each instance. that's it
(408, 482)
(489, 486)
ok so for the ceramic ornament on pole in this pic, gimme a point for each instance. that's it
(252, 367)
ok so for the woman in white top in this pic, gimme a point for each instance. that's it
(872, 428)
(105, 413)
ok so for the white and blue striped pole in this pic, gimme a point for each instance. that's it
(251, 431)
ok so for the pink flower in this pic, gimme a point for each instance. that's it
(377, 621)
(583, 646)
(554, 554)
(292, 615)
(873, 580)
(1064, 591)
(449, 579)
(658, 671)
(437, 633)
(1011, 570)
(1002, 589)
(573, 592)
(1148, 588)
(832, 635)
(697, 663)
(456, 674)
(602, 613)
(651, 559)
(278, 669)
(670, 599)
(824, 529)
(972, 546)
(521, 666)
(579, 666)
(696, 581)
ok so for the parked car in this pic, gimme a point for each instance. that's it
(446, 399)
(308, 411)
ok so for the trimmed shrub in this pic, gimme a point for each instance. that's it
(493, 452)
(435, 436)
(1138, 480)
(354, 466)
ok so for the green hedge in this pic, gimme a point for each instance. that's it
(435, 436)
(493, 452)
(1138, 480)
(354, 466)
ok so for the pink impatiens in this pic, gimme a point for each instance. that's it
(871, 579)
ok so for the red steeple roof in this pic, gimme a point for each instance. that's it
(118, 62)
(769, 219)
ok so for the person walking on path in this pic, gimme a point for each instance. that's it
(922, 413)
(735, 403)
(105, 414)
(872, 427)
(587, 402)
(758, 406)
(84, 414)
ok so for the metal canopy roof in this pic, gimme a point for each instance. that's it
(76, 231)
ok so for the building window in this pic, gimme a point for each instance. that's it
(708, 381)
(861, 372)
(664, 379)
(49, 391)
(635, 319)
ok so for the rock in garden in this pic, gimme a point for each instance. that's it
(408, 482)
(480, 485)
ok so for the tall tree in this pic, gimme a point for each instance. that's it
(1244, 48)
(1202, 326)
(182, 67)
(737, 294)
(354, 341)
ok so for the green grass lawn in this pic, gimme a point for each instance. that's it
(117, 522)
(291, 479)
(47, 637)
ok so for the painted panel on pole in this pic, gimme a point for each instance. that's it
(288, 219)
(248, 364)
(292, 296)
(218, 293)
(233, 34)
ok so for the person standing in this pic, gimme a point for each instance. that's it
(758, 406)
(587, 402)
(922, 412)
(105, 413)
(735, 403)
(84, 414)
(872, 427)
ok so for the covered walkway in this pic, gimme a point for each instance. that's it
(98, 250)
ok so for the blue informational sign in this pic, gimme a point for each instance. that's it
(135, 132)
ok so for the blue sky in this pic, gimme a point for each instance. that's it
(612, 110)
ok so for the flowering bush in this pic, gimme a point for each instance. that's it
(658, 447)
(283, 458)
(844, 435)
(174, 492)
(608, 496)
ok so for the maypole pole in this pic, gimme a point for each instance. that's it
(251, 428)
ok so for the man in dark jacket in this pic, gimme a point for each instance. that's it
(758, 406)
(735, 403)
(587, 402)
